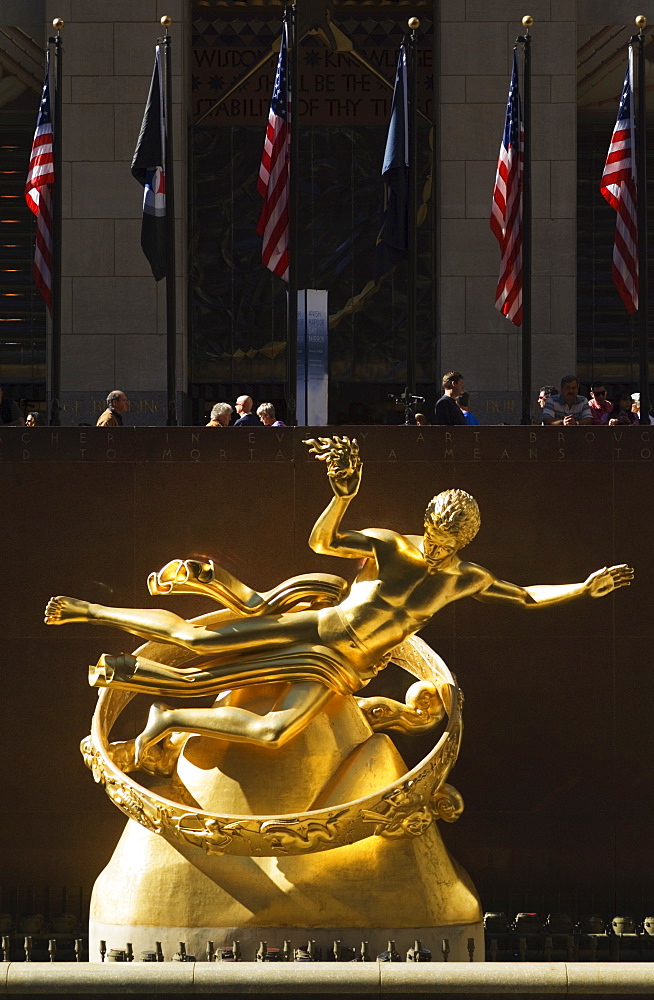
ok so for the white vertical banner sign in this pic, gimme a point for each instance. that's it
(312, 357)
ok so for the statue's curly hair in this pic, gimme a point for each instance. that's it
(456, 512)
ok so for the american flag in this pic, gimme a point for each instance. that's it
(273, 185)
(618, 186)
(506, 213)
(38, 193)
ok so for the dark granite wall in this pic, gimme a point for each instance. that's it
(555, 764)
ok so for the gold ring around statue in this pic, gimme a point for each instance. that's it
(404, 809)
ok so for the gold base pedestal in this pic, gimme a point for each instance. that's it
(375, 889)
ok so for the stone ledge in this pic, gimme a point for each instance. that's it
(323, 979)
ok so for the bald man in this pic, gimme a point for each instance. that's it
(117, 404)
(246, 418)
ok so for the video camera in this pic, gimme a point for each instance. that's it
(409, 402)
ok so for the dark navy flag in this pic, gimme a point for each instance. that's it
(148, 169)
(393, 239)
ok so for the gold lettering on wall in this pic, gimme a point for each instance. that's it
(500, 406)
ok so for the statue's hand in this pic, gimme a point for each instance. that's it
(343, 463)
(603, 581)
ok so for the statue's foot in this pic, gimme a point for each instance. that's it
(157, 727)
(60, 610)
(112, 668)
(181, 576)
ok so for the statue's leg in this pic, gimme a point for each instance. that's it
(145, 622)
(153, 624)
(295, 707)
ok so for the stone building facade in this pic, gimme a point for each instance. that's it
(113, 325)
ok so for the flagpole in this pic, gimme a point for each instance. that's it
(527, 22)
(55, 335)
(641, 188)
(412, 255)
(290, 17)
(171, 311)
(436, 191)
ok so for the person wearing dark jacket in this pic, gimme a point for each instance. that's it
(447, 412)
(246, 418)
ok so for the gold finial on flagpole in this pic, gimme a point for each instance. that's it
(527, 21)
(641, 21)
(414, 22)
(58, 23)
(166, 22)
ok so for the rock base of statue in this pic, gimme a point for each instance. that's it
(402, 887)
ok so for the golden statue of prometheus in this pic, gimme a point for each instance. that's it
(316, 633)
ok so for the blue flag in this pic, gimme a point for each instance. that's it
(393, 239)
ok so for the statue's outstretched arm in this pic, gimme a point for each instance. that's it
(599, 584)
(344, 472)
